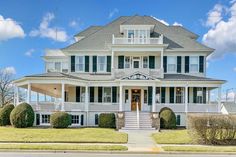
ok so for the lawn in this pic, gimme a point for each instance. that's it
(172, 137)
(75, 135)
(200, 148)
(63, 147)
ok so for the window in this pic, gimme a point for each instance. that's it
(126, 96)
(194, 64)
(136, 61)
(107, 94)
(45, 118)
(127, 62)
(145, 62)
(171, 64)
(145, 96)
(74, 119)
(79, 63)
(199, 95)
(158, 94)
(82, 94)
(101, 63)
(65, 67)
(179, 95)
(58, 66)
(130, 33)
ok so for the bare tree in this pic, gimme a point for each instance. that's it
(6, 87)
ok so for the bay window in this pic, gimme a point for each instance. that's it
(79, 64)
(101, 63)
(193, 66)
(171, 64)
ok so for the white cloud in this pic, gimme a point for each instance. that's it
(10, 29)
(73, 23)
(9, 70)
(222, 36)
(113, 12)
(29, 52)
(177, 24)
(160, 20)
(215, 15)
(45, 31)
(76, 24)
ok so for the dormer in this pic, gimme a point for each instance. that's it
(136, 31)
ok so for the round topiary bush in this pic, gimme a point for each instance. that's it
(107, 120)
(60, 120)
(22, 116)
(5, 114)
(167, 119)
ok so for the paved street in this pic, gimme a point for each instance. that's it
(17, 154)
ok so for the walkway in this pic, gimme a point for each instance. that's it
(141, 141)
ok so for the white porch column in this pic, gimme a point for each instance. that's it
(37, 101)
(29, 93)
(162, 59)
(121, 99)
(112, 60)
(63, 97)
(219, 99)
(153, 98)
(186, 98)
(86, 103)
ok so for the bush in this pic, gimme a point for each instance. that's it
(107, 120)
(22, 116)
(5, 115)
(212, 129)
(167, 119)
(60, 120)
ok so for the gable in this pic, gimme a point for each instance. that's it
(137, 76)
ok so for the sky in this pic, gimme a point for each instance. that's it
(29, 27)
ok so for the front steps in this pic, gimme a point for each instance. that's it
(145, 122)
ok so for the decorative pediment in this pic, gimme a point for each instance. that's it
(137, 76)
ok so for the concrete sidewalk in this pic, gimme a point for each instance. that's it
(141, 141)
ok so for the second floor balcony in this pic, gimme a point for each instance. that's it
(133, 41)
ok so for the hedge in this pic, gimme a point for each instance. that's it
(212, 128)
(60, 120)
(167, 119)
(5, 114)
(22, 116)
(107, 120)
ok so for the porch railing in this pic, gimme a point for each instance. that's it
(150, 41)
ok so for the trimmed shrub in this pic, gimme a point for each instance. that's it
(5, 114)
(212, 129)
(167, 119)
(60, 120)
(107, 120)
(22, 116)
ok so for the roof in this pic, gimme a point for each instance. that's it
(54, 53)
(184, 31)
(90, 30)
(177, 38)
(54, 74)
(182, 77)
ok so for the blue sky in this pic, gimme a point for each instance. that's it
(22, 48)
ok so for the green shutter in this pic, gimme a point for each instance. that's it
(99, 94)
(194, 94)
(77, 94)
(96, 119)
(91, 94)
(82, 119)
(186, 64)
(178, 120)
(149, 95)
(204, 95)
(201, 64)
(114, 94)
(179, 59)
(108, 63)
(121, 62)
(72, 63)
(94, 63)
(172, 94)
(165, 63)
(163, 95)
(86, 63)
(151, 62)
(37, 119)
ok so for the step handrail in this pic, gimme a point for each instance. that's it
(137, 108)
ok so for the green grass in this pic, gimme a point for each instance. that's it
(63, 147)
(82, 135)
(172, 137)
(200, 148)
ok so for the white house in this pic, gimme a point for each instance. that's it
(134, 63)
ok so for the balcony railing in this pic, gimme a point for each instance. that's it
(157, 73)
(150, 41)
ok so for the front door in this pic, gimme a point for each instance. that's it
(135, 99)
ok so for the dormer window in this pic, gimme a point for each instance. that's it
(130, 33)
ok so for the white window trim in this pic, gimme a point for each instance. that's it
(103, 94)
(76, 124)
(130, 62)
(147, 62)
(76, 70)
(194, 72)
(173, 72)
(105, 69)
(41, 118)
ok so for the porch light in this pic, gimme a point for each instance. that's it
(155, 115)
(120, 115)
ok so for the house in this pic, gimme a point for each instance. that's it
(134, 65)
